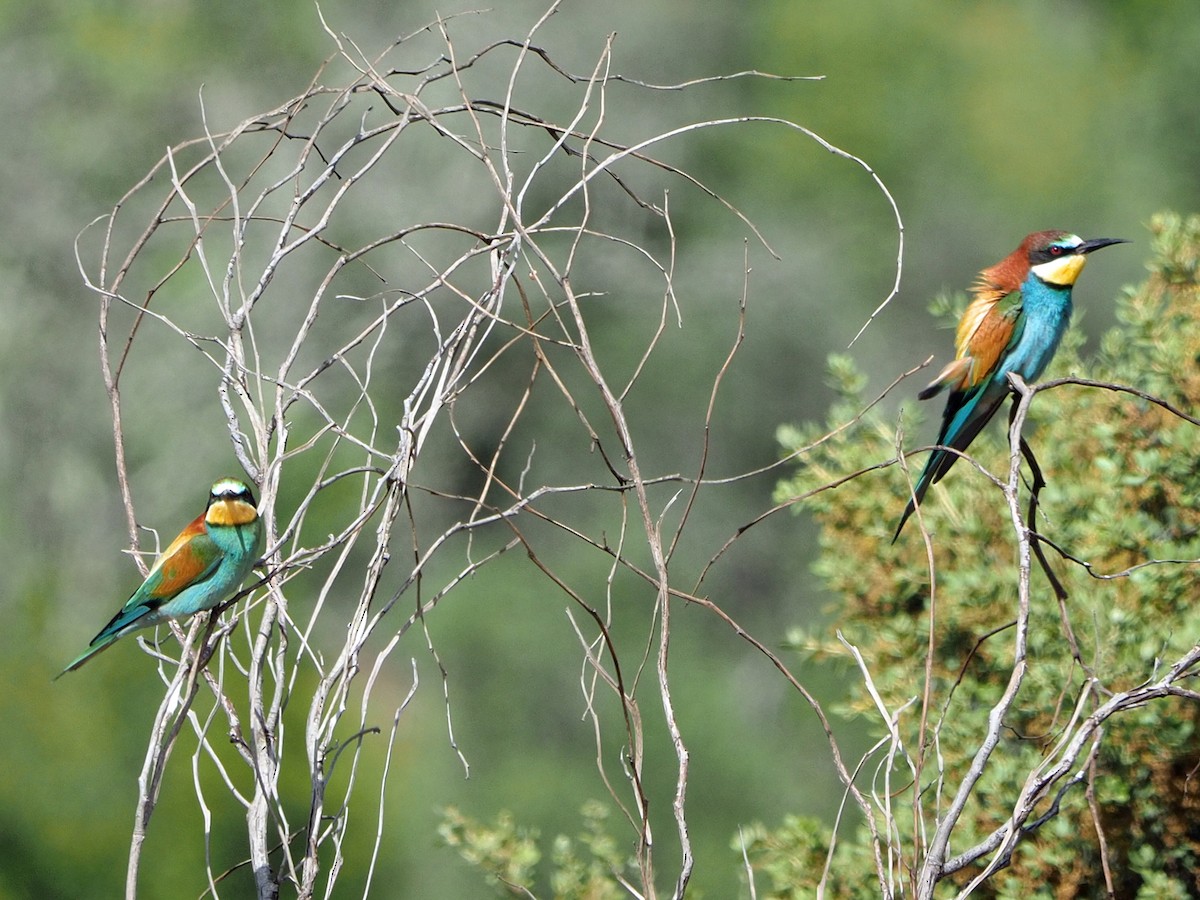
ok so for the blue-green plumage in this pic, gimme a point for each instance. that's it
(1045, 314)
(1036, 335)
(202, 568)
(1014, 326)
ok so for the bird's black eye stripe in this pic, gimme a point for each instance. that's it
(1054, 251)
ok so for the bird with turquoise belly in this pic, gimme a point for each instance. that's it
(202, 568)
(1014, 324)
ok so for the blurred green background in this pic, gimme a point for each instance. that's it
(986, 121)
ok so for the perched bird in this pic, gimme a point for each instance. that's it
(1021, 309)
(201, 568)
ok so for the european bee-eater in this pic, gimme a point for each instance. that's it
(1021, 309)
(201, 568)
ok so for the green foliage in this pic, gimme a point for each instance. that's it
(506, 853)
(789, 859)
(584, 867)
(1121, 494)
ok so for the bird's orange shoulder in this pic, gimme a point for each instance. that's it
(986, 327)
(186, 559)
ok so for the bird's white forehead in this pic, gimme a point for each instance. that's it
(227, 486)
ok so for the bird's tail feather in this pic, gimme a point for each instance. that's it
(961, 424)
(98, 646)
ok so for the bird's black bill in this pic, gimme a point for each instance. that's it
(1097, 243)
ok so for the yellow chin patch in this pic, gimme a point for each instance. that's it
(1062, 272)
(230, 512)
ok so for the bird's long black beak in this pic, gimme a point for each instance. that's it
(1097, 243)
